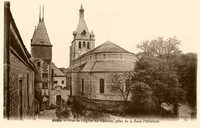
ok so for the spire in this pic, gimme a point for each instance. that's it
(81, 12)
(82, 27)
(43, 13)
(81, 6)
(40, 13)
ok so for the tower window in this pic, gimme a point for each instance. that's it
(83, 33)
(79, 45)
(62, 81)
(82, 88)
(88, 45)
(84, 44)
(101, 85)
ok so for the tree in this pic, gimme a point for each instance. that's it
(187, 71)
(156, 69)
(160, 47)
(121, 82)
(141, 98)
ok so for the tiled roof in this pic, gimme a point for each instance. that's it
(57, 71)
(40, 36)
(107, 47)
(108, 65)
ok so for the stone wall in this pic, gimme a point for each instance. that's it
(20, 71)
(102, 105)
(92, 86)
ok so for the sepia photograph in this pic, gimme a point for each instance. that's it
(109, 62)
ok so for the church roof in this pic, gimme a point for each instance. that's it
(40, 36)
(108, 65)
(107, 47)
(57, 71)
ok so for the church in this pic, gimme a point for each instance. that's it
(92, 68)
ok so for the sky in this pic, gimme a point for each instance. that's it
(123, 22)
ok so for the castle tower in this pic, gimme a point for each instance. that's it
(41, 51)
(41, 47)
(83, 40)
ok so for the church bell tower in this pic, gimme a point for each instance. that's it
(83, 41)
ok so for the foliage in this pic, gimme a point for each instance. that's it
(78, 107)
(52, 106)
(62, 110)
(160, 47)
(156, 69)
(121, 83)
(141, 93)
(95, 115)
(141, 98)
(187, 71)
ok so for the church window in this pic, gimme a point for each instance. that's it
(104, 56)
(82, 85)
(55, 82)
(88, 45)
(62, 81)
(84, 44)
(90, 57)
(121, 56)
(79, 45)
(101, 85)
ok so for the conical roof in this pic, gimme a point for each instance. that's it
(40, 36)
(82, 29)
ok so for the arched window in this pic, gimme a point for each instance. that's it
(101, 85)
(79, 45)
(82, 88)
(84, 44)
(88, 45)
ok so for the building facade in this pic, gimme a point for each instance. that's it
(41, 51)
(60, 88)
(92, 69)
(19, 73)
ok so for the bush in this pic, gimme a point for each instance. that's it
(52, 106)
(147, 108)
(77, 105)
